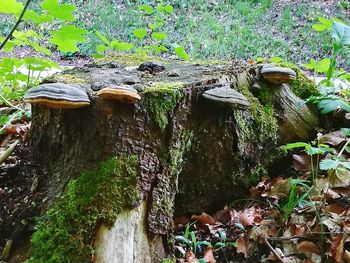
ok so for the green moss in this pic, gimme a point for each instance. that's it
(65, 233)
(67, 78)
(262, 125)
(161, 98)
(303, 86)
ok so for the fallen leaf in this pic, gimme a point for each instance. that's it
(333, 138)
(301, 162)
(223, 216)
(242, 245)
(204, 218)
(208, 255)
(298, 229)
(307, 247)
(337, 248)
(280, 188)
(190, 257)
(181, 220)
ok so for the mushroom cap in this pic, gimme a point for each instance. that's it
(227, 96)
(278, 75)
(58, 96)
(121, 93)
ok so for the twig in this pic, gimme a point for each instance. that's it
(306, 236)
(10, 104)
(273, 250)
(344, 147)
(5, 154)
(16, 25)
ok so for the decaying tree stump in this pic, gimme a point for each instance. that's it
(192, 154)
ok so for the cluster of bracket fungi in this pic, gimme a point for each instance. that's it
(64, 96)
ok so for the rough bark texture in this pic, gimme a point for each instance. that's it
(201, 154)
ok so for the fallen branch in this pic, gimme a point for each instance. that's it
(273, 250)
(5, 154)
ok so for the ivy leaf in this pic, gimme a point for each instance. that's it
(159, 35)
(328, 164)
(10, 7)
(146, 8)
(59, 11)
(341, 34)
(181, 53)
(140, 33)
(67, 38)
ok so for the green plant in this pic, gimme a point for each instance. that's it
(41, 29)
(332, 98)
(150, 39)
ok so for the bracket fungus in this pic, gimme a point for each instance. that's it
(58, 96)
(227, 97)
(123, 93)
(278, 75)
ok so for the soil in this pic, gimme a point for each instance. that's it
(21, 197)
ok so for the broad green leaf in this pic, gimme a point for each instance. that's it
(67, 38)
(36, 18)
(311, 65)
(325, 21)
(328, 164)
(159, 36)
(260, 60)
(103, 38)
(182, 239)
(346, 164)
(294, 145)
(59, 11)
(101, 48)
(333, 103)
(168, 9)
(41, 49)
(323, 65)
(341, 34)
(97, 55)
(140, 33)
(146, 8)
(181, 53)
(122, 46)
(320, 27)
(10, 7)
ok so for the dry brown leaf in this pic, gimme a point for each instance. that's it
(337, 248)
(208, 255)
(307, 247)
(280, 188)
(298, 229)
(204, 218)
(333, 138)
(181, 220)
(334, 208)
(301, 162)
(223, 216)
(190, 257)
(242, 245)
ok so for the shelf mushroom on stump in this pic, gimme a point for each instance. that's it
(277, 75)
(123, 93)
(58, 96)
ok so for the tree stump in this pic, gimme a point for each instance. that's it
(191, 155)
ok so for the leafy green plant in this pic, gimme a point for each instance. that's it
(332, 99)
(38, 32)
(151, 38)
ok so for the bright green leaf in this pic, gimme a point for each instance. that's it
(122, 46)
(101, 48)
(146, 8)
(275, 59)
(328, 164)
(159, 35)
(10, 7)
(181, 53)
(168, 9)
(59, 11)
(103, 38)
(140, 33)
(67, 38)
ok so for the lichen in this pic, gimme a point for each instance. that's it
(161, 98)
(65, 233)
(303, 86)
